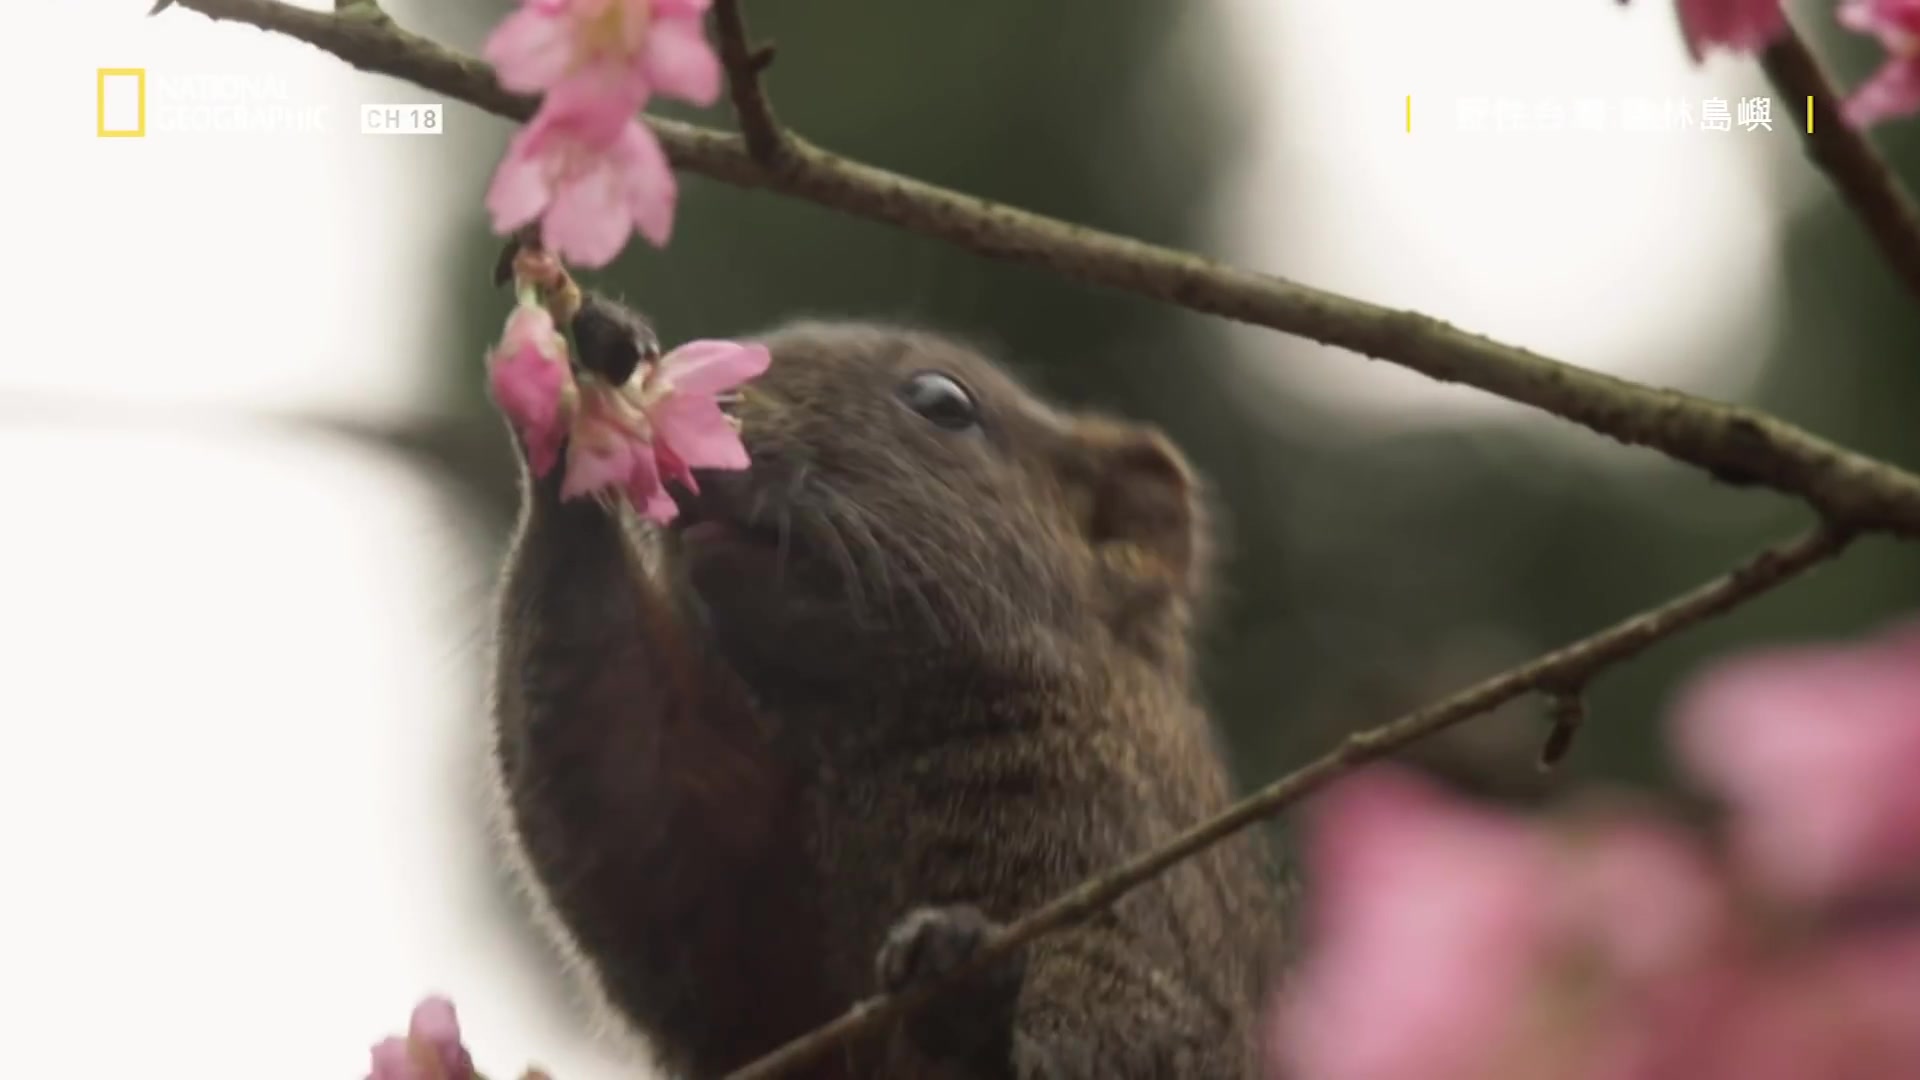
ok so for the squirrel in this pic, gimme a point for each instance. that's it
(923, 666)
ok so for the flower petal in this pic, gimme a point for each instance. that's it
(1739, 26)
(531, 49)
(647, 181)
(659, 507)
(587, 224)
(1890, 93)
(713, 367)
(1817, 748)
(392, 1060)
(528, 388)
(1895, 22)
(593, 105)
(674, 469)
(679, 62)
(519, 191)
(528, 376)
(698, 433)
(436, 1026)
(1423, 932)
(530, 326)
(566, 166)
(643, 488)
(1837, 1006)
(1642, 891)
(600, 458)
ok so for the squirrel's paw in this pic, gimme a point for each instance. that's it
(928, 944)
(974, 1025)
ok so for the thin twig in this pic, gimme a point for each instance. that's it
(1573, 665)
(1734, 444)
(1862, 176)
(765, 139)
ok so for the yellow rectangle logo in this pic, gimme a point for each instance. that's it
(120, 103)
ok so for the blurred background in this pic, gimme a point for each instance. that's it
(255, 498)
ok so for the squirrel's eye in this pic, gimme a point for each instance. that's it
(940, 400)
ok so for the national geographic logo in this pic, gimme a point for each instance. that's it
(120, 103)
(133, 103)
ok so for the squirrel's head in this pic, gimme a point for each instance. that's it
(909, 502)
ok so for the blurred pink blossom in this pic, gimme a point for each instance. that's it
(1894, 90)
(629, 48)
(431, 1049)
(1836, 1005)
(586, 166)
(590, 173)
(1817, 749)
(1741, 26)
(1644, 892)
(1410, 892)
(1450, 942)
(1445, 941)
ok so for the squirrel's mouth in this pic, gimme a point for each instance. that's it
(726, 532)
(726, 511)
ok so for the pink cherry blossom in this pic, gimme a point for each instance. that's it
(678, 395)
(1645, 892)
(1817, 749)
(1832, 1006)
(661, 426)
(1450, 942)
(1419, 926)
(532, 384)
(431, 1050)
(630, 48)
(590, 172)
(623, 440)
(1894, 90)
(1741, 26)
(611, 451)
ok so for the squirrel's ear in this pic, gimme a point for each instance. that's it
(1145, 510)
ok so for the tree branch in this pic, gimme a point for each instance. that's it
(765, 139)
(1863, 177)
(1736, 445)
(1572, 665)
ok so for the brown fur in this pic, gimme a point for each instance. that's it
(892, 666)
